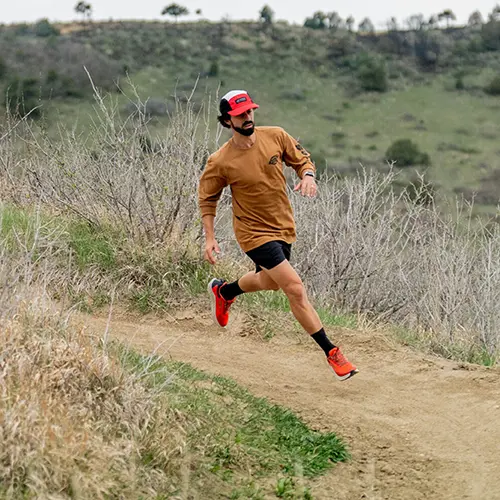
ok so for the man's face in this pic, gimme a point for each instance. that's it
(243, 124)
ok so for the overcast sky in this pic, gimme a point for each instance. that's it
(293, 11)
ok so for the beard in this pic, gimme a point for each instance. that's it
(245, 131)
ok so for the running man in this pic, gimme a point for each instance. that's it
(251, 164)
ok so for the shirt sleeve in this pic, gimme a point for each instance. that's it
(212, 182)
(295, 156)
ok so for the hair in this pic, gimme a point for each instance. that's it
(223, 119)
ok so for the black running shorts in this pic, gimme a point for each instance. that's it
(270, 254)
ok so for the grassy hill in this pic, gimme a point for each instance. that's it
(430, 87)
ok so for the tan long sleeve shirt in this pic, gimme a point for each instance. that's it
(261, 208)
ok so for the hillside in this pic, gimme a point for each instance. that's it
(347, 96)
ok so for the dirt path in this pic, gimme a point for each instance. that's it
(417, 426)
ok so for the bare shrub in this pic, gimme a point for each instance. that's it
(116, 177)
(362, 248)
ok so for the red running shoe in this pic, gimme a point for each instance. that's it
(342, 368)
(220, 306)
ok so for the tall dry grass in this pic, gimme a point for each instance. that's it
(73, 422)
(362, 247)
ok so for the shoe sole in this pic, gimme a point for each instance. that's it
(345, 377)
(212, 302)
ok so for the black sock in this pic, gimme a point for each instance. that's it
(323, 341)
(230, 290)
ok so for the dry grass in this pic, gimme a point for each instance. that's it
(74, 423)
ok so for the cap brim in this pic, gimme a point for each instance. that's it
(242, 109)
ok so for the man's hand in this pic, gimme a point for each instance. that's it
(307, 186)
(211, 246)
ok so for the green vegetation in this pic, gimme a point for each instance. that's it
(175, 10)
(493, 88)
(43, 28)
(250, 433)
(404, 153)
(372, 74)
(423, 84)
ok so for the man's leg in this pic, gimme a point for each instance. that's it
(224, 294)
(285, 276)
(251, 282)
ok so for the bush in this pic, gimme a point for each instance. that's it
(214, 69)
(296, 94)
(493, 88)
(43, 28)
(490, 35)
(459, 82)
(404, 152)
(57, 85)
(372, 75)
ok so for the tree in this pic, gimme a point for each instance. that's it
(475, 19)
(266, 15)
(317, 21)
(416, 22)
(448, 15)
(432, 22)
(349, 22)
(85, 9)
(494, 15)
(366, 26)
(372, 74)
(43, 28)
(392, 24)
(334, 20)
(23, 97)
(175, 10)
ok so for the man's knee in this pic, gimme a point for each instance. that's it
(295, 292)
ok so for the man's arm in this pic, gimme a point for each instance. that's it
(299, 159)
(212, 182)
(211, 244)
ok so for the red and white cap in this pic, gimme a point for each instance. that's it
(236, 102)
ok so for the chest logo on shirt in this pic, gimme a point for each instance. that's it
(301, 149)
(273, 160)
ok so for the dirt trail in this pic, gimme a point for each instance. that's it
(416, 425)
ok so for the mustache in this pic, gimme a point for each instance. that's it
(247, 123)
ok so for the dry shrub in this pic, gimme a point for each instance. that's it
(74, 424)
(362, 248)
(143, 186)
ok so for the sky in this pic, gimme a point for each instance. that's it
(292, 11)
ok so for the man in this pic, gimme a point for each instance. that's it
(251, 164)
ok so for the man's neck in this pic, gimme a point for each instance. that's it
(243, 142)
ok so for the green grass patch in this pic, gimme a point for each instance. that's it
(233, 432)
(330, 318)
(92, 246)
(16, 226)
